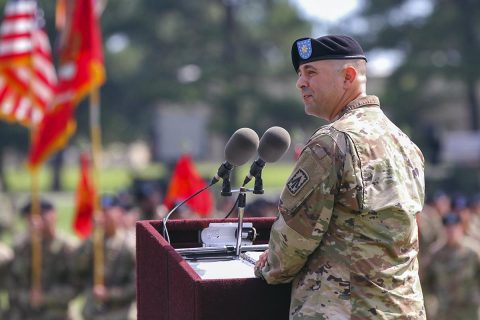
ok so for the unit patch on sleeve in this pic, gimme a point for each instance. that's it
(297, 181)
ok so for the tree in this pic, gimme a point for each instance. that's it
(222, 53)
(439, 41)
(438, 75)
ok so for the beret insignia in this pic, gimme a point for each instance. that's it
(304, 48)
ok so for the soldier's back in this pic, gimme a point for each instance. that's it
(453, 278)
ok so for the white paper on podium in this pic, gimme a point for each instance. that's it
(228, 269)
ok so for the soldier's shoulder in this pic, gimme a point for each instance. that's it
(67, 241)
(20, 241)
(6, 253)
(328, 138)
(472, 245)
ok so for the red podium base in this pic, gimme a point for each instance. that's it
(169, 289)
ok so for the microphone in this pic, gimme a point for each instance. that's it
(239, 149)
(273, 145)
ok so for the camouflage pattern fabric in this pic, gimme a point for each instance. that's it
(6, 256)
(346, 233)
(453, 277)
(119, 278)
(57, 289)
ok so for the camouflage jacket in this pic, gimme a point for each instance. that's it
(6, 256)
(346, 233)
(119, 259)
(56, 284)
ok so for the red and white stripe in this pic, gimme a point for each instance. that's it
(25, 89)
(17, 30)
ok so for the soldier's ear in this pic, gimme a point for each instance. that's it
(350, 74)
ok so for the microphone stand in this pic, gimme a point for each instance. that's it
(226, 188)
(241, 203)
(242, 199)
(258, 188)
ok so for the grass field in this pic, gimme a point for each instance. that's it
(116, 179)
(113, 179)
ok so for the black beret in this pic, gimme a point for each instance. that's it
(450, 219)
(333, 47)
(108, 201)
(44, 205)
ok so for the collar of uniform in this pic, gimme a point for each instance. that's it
(358, 103)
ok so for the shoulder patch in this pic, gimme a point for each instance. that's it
(297, 181)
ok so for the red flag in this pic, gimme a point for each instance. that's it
(186, 181)
(27, 74)
(57, 126)
(85, 198)
(81, 71)
(81, 58)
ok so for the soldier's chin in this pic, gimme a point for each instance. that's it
(312, 110)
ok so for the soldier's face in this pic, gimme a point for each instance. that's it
(49, 222)
(454, 233)
(113, 219)
(320, 84)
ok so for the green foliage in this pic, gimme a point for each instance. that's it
(238, 46)
(440, 48)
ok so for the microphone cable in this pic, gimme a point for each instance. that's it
(233, 207)
(166, 236)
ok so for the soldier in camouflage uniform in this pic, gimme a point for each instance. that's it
(51, 303)
(111, 301)
(346, 234)
(453, 274)
(6, 256)
(473, 230)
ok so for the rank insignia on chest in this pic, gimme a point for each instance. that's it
(297, 181)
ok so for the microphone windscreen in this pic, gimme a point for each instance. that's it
(241, 146)
(274, 143)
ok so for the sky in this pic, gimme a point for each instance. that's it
(325, 10)
(381, 63)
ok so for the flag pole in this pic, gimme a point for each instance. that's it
(98, 236)
(36, 233)
(35, 200)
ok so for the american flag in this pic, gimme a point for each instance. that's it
(27, 75)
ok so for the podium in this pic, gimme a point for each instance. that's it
(168, 288)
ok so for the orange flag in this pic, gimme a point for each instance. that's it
(186, 181)
(81, 70)
(85, 198)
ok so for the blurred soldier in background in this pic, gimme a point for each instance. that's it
(7, 213)
(52, 301)
(6, 256)
(430, 228)
(131, 215)
(111, 301)
(148, 197)
(460, 207)
(430, 221)
(473, 230)
(453, 275)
